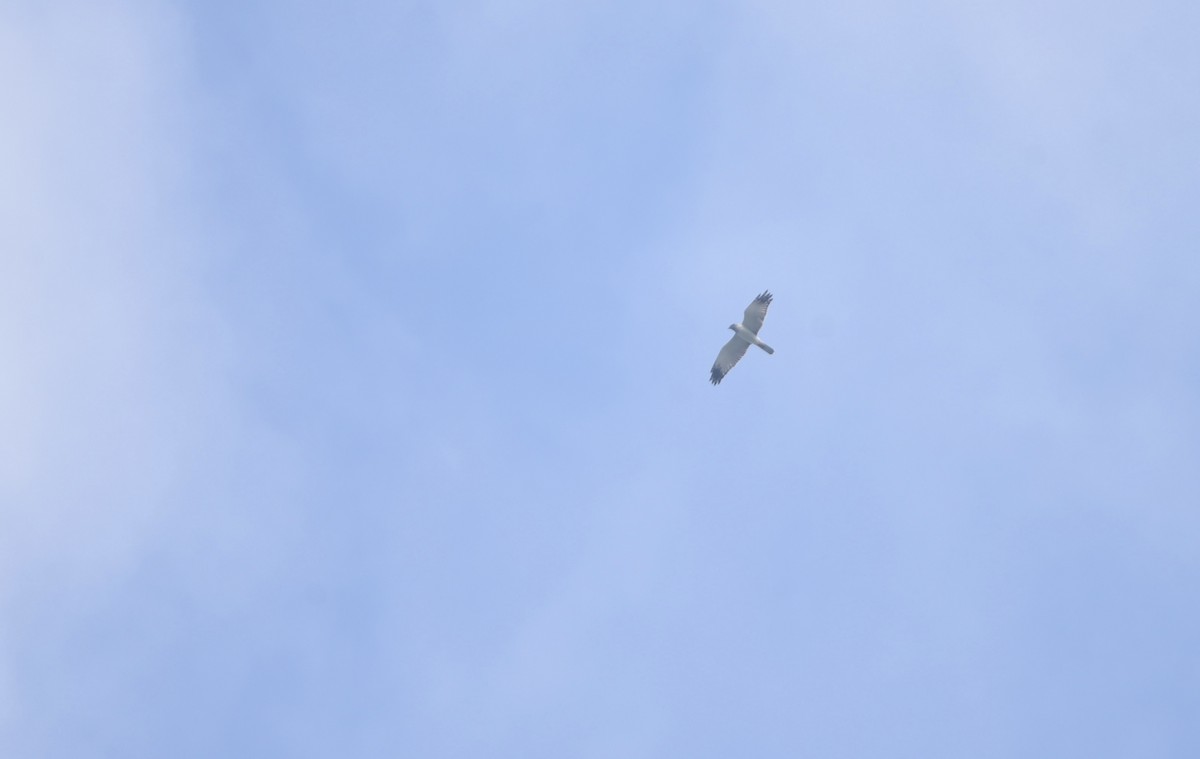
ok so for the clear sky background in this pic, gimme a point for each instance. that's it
(354, 390)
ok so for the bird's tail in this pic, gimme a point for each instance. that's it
(767, 348)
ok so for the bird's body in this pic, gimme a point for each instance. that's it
(744, 335)
(750, 337)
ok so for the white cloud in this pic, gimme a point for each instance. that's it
(113, 352)
(101, 322)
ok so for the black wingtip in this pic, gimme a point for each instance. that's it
(765, 297)
(715, 377)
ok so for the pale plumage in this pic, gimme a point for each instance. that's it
(743, 335)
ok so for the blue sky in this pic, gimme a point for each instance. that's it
(355, 394)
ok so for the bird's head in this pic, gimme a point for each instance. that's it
(733, 327)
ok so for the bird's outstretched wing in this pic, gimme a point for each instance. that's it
(729, 355)
(756, 312)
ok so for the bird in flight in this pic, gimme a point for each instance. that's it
(743, 335)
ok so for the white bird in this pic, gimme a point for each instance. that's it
(743, 335)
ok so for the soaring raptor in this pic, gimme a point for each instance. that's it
(743, 335)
